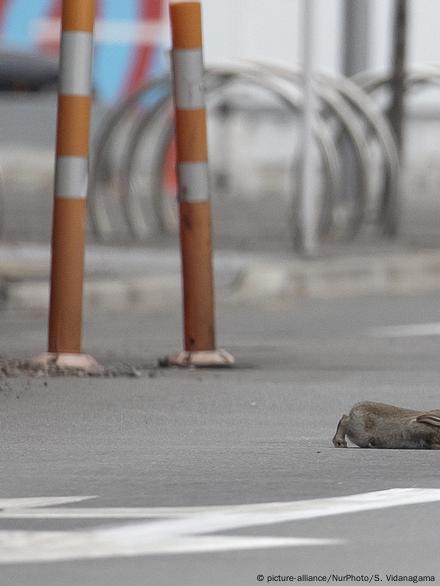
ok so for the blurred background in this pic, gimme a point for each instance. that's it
(376, 137)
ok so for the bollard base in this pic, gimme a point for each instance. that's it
(83, 362)
(205, 359)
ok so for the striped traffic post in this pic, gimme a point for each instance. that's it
(71, 176)
(193, 187)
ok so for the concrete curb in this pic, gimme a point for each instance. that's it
(99, 295)
(259, 283)
(339, 277)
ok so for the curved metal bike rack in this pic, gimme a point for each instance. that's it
(101, 169)
(351, 128)
(346, 113)
(218, 79)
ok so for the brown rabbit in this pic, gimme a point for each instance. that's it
(377, 425)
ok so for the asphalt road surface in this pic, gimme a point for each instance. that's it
(165, 479)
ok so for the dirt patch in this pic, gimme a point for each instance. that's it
(15, 368)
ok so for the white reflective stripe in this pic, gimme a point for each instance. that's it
(71, 177)
(193, 182)
(188, 73)
(114, 31)
(76, 63)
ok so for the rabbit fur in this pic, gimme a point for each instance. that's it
(378, 425)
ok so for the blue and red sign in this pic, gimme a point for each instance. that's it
(128, 37)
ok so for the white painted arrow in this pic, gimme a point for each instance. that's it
(186, 528)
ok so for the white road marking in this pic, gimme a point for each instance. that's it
(430, 329)
(30, 503)
(186, 529)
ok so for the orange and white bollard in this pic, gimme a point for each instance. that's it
(194, 193)
(71, 178)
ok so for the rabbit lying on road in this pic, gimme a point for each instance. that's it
(377, 425)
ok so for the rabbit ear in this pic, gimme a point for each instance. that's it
(430, 417)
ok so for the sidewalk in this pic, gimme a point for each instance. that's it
(122, 278)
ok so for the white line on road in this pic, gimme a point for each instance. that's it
(29, 503)
(186, 528)
(430, 329)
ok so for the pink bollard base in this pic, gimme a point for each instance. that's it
(83, 362)
(213, 358)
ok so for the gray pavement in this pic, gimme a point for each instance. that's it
(258, 433)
